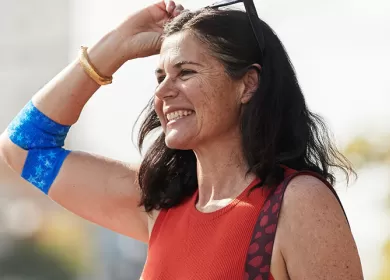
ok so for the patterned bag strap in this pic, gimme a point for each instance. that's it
(258, 260)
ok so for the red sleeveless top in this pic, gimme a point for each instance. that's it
(186, 244)
(233, 243)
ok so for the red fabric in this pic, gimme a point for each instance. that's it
(188, 244)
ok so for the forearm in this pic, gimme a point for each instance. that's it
(64, 97)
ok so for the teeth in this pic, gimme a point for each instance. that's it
(178, 114)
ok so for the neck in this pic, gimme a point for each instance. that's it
(221, 170)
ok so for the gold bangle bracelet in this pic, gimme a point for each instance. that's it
(91, 70)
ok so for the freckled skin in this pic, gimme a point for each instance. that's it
(313, 236)
(209, 92)
(313, 240)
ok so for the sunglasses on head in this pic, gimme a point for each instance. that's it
(252, 16)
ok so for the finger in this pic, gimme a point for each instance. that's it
(178, 10)
(170, 6)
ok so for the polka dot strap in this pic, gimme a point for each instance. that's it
(258, 261)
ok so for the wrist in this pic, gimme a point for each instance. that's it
(108, 55)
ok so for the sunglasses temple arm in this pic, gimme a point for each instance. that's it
(223, 4)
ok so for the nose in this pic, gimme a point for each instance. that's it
(166, 89)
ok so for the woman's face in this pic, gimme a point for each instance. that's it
(196, 101)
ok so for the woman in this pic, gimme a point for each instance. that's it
(236, 134)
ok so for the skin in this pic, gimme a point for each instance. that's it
(313, 240)
(203, 87)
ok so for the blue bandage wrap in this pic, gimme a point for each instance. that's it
(42, 138)
(31, 129)
(42, 167)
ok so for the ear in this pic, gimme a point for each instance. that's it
(251, 82)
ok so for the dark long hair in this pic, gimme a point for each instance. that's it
(276, 126)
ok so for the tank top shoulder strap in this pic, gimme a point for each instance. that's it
(258, 260)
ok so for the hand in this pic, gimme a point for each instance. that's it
(141, 32)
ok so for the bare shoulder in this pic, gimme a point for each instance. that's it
(307, 195)
(314, 236)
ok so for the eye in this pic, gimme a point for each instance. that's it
(160, 79)
(186, 72)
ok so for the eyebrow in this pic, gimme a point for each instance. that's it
(178, 65)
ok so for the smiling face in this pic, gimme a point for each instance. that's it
(196, 101)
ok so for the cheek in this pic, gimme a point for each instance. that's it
(218, 106)
(158, 107)
(219, 98)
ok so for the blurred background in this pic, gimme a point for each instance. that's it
(340, 49)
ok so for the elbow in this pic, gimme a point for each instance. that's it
(12, 155)
(4, 149)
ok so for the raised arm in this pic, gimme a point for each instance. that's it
(101, 190)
